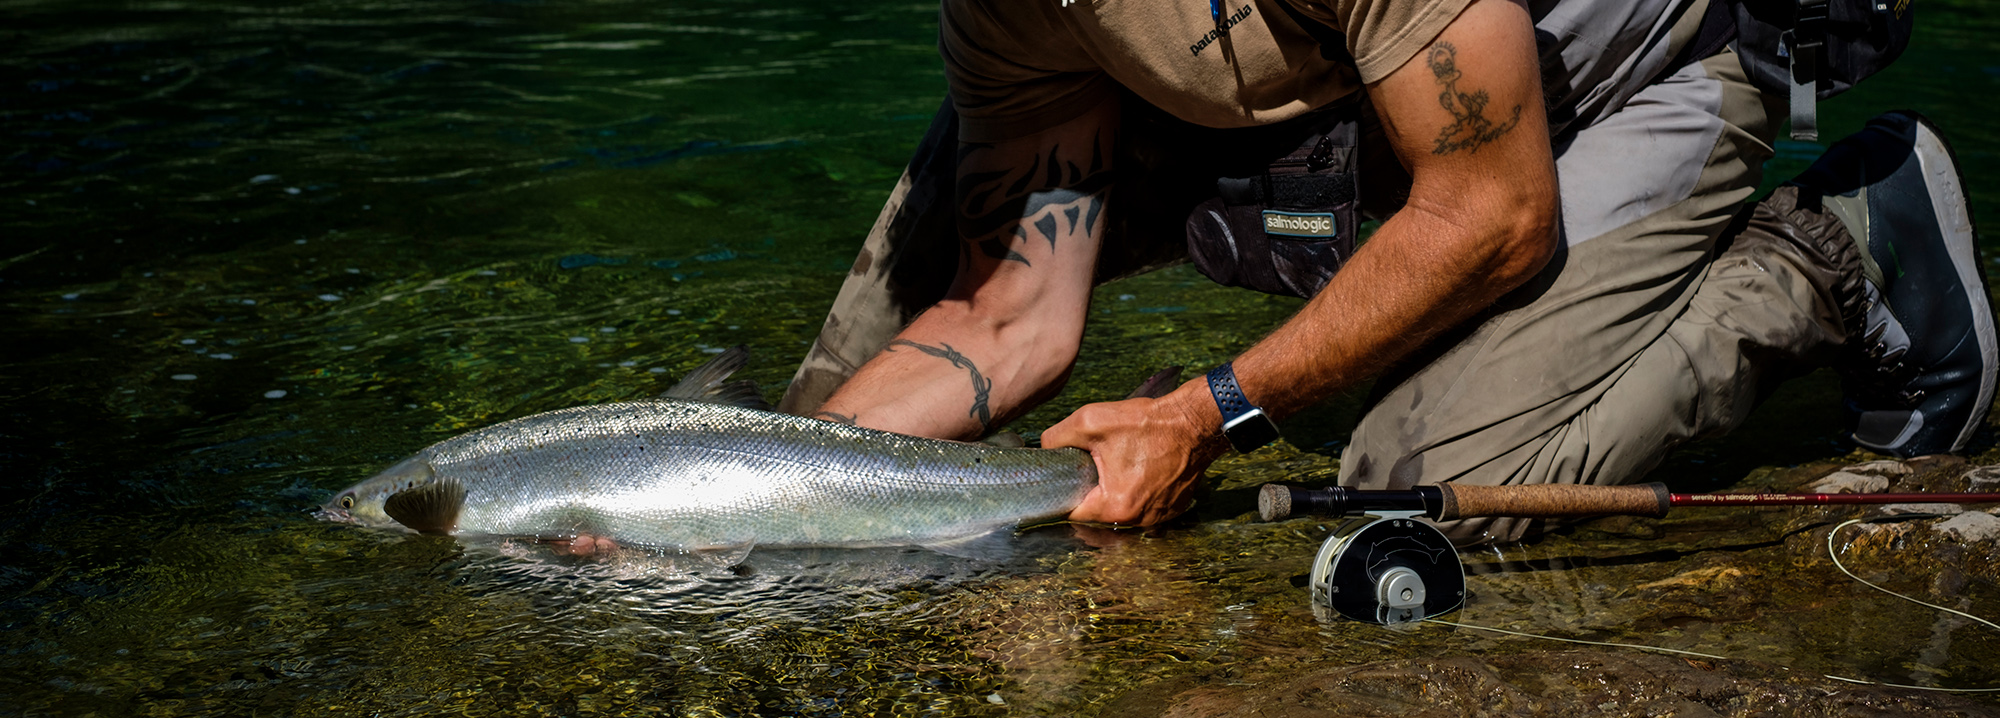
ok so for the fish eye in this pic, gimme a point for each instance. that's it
(347, 502)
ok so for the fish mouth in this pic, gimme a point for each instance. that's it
(328, 513)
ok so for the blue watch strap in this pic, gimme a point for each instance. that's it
(1228, 396)
(1243, 423)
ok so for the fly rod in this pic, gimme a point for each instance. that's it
(1445, 502)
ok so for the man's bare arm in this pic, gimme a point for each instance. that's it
(1030, 216)
(1465, 117)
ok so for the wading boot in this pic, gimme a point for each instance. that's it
(1919, 363)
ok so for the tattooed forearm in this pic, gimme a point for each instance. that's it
(1470, 128)
(982, 387)
(847, 419)
(1050, 195)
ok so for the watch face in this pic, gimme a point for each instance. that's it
(1251, 430)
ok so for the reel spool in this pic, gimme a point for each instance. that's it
(1388, 570)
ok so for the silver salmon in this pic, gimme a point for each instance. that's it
(700, 470)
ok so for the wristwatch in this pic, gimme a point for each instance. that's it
(1246, 425)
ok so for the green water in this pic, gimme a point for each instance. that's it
(251, 253)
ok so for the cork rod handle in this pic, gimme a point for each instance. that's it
(1546, 501)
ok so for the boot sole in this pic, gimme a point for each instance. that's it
(1954, 216)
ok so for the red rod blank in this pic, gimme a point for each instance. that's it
(1827, 499)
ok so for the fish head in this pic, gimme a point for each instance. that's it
(363, 503)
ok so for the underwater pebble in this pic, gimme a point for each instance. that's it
(734, 327)
(71, 295)
(329, 297)
(250, 302)
(714, 350)
(657, 370)
(298, 241)
(1886, 467)
(292, 190)
(275, 394)
(223, 356)
(1845, 482)
(1127, 297)
(488, 273)
(260, 179)
(1971, 526)
(1900, 509)
(183, 377)
(628, 363)
(1983, 478)
(579, 340)
(351, 270)
(347, 347)
(674, 312)
(187, 341)
(367, 207)
(607, 330)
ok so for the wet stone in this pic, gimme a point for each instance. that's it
(1971, 526)
(1848, 482)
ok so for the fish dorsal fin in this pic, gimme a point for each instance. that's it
(432, 508)
(1005, 440)
(709, 382)
(1157, 385)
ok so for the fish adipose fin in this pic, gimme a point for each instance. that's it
(432, 508)
(707, 382)
(996, 545)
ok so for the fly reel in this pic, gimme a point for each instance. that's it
(1388, 569)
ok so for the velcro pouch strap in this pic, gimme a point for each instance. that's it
(1287, 229)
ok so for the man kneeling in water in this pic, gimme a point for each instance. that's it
(1567, 282)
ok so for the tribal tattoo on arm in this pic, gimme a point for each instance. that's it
(1470, 129)
(982, 387)
(1056, 192)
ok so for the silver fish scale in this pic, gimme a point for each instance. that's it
(695, 475)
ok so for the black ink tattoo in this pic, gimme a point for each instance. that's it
(833, 417)
(997, 209)
(1470, 130)
(982, 387)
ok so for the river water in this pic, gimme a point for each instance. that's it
(250, 253)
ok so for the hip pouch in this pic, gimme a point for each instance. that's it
(1287, 229)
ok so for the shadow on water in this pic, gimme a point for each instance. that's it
(249, 255)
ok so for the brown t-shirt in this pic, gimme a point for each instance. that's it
(1017, 67)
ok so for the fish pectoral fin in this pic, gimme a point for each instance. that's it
(707, 382)
(431, 508)
(995, 545)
